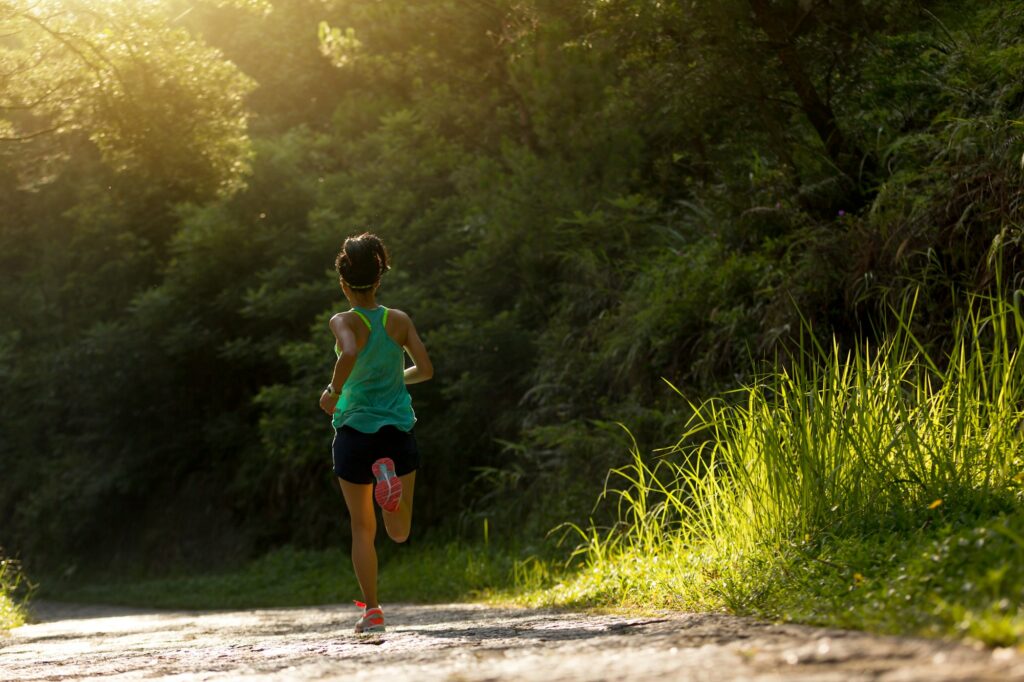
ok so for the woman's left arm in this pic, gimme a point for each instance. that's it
(343, 366)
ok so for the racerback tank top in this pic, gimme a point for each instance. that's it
(374, 395)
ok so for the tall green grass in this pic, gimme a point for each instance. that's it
(855, 441)
(799, 495)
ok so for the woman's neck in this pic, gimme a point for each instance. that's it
(364, 300)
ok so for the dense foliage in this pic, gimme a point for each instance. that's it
(582, 199)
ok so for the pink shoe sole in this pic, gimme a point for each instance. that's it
(388, 491)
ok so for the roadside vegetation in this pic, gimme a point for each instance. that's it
(875, 488)
(784, 238)
(14, 589)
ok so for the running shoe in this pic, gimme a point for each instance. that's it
(388, 491)
(372, 620)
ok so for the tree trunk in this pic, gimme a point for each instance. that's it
(817, 110)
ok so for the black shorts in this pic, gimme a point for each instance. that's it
(355, 452)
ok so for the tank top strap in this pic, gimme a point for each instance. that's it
(370, 316)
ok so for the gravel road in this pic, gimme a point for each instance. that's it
(468, 642)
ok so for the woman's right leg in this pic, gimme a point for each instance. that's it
(359, 500)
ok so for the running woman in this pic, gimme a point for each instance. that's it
(375, 454)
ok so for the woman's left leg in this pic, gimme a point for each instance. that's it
(399, 522)
(359, 500)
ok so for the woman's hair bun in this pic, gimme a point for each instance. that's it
(362, 260)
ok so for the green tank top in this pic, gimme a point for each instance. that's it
(374, 395)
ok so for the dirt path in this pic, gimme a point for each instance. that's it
(467, 642)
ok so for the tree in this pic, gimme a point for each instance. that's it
(154, 100)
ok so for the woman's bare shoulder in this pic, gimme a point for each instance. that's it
(398, 325)
(399, 314)
(342, 319)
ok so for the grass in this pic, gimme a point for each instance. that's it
(292, 577)
(877, 489)
(13, 593)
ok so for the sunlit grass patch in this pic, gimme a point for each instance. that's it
(960, 581)
(965, 580)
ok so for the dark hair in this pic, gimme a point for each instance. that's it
(361, 261)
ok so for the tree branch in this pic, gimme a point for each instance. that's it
(26, 138)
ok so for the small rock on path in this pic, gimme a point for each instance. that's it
(468, 643)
